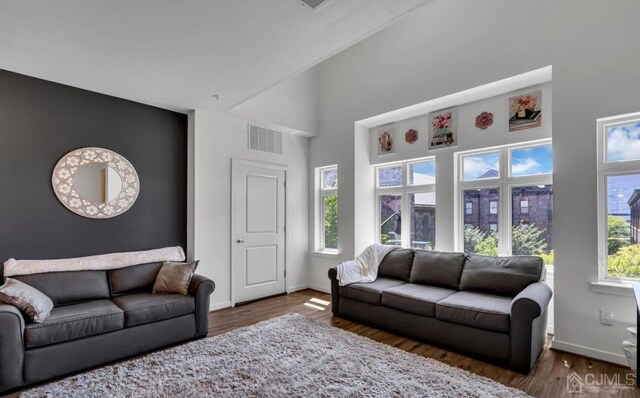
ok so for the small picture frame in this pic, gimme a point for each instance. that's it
(443, 129)
(386, 140)
(525, 111)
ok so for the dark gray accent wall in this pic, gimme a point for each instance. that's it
(40, 121)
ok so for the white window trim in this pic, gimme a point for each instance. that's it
(606, 169)
(404, 190)
(320, 194)
(504, 184)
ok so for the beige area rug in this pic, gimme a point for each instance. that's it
(288, 356)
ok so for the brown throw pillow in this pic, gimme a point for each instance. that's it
(27, 299)
(174, 278)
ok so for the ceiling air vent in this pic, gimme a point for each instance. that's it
(314, 4)
(265, 140)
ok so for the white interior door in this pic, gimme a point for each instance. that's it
(258, 206)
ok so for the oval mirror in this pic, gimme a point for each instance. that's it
(95, 183)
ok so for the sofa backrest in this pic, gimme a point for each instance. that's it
(397, 264)
(134, 279)
(437, 268)
(501, 275)
(69, 287)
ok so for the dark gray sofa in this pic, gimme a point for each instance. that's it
(98, 317)
(494, 308)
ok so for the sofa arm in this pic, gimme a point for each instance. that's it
(201, 288)
(335, 294)
(11, 347)
(529, 325)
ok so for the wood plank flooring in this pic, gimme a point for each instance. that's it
(548, 379)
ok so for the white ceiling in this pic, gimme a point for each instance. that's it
(178, 53)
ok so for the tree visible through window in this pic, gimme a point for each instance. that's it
(328, 201)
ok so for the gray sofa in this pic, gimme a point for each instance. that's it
(98, 317)
(494, 308)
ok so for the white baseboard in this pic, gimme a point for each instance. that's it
(297, 288)
(590, 352)
(219, 306)
(319, 288)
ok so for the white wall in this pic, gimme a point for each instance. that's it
(292, 103)
(448, 46)
(214, 140)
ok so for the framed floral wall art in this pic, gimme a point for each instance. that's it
(525, 111)
(386, 140)
(443, 129)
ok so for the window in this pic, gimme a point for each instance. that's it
(468, 208)
(481, 167)
(407, 189)
(524, 206)
(480, 237)
(493, 207)
(531, 161)
(619, 197)
(518, 176)
(327, 240)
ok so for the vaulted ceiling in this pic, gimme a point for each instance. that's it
(178, 53)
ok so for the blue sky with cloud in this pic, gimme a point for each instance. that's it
(623, 142)
(477, 165)
(537, 160)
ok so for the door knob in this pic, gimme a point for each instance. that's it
(240, 241)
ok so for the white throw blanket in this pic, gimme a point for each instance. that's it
(101, 262)
(365, 267)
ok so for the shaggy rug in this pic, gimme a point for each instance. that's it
(289, 356)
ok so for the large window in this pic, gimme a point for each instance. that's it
(327, 209)
(407, 189)
(509, 191)
(619, 197)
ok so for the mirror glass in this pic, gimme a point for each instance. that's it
(95, 183)
(98, 183)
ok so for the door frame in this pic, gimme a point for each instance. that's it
(235, 163)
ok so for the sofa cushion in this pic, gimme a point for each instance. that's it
(500, 275)
(75, 321)
(30, 301)
(397, 265)
(369, 292)
(478, 310)
(146, 307)
(417, 299)
(437, 268)
(134, 279)
(70, 287)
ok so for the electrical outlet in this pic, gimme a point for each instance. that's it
(606, 317)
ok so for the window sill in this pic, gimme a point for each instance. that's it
(326, 254)
(615, 288)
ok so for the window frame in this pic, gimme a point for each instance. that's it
(610, 168)
(321, 194)
(504, 184)
(404, 190)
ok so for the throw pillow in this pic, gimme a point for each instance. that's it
(174, 278)
(27, 299)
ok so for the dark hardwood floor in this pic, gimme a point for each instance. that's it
(548, 379)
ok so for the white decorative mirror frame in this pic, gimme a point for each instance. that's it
(64, 183)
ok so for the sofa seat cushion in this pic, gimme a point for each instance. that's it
(369, 292)
(416, 299)
(75, 321)
(146, 307)
(479, 310)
